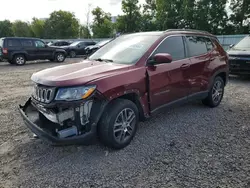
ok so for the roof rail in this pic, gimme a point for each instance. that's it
(191, 30)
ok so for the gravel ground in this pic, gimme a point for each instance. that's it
(187, 146)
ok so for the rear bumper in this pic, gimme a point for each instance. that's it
(48, 137)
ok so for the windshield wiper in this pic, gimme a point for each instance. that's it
(101, 60)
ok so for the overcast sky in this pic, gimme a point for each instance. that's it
(26, 9)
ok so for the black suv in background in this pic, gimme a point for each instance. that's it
(77, 48)
(59, 43)
(239, 57)
(18, 50)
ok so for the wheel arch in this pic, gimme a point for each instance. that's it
(222, 73)
(133, 97)
(19, 53)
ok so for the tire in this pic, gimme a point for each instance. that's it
(215, 94)
(19, 60)
(60, 57)
(112, 132)
(72, 54)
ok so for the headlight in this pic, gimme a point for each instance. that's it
(74, 93)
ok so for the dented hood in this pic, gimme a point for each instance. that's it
(77, 74)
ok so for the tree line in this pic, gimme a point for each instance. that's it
(216, 16)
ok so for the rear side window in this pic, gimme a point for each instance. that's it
(173, 46)
(13, 43)
(27, 43)
(196, 45)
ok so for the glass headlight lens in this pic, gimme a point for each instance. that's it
(74, 93)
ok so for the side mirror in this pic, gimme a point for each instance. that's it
(46, 45)
(160, 58)
(78, 46)
(232, 45)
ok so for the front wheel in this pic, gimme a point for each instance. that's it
(216, 93)
(118, 124)
(60, 57)
(72, 54)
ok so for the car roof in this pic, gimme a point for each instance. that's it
(21, 38)
(173, 31)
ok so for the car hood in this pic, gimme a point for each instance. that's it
(78, 73)
(238, 52)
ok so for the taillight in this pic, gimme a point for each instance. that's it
(5, 50)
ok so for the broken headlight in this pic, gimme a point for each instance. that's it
(74, 93)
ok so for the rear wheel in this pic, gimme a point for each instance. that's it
(216, 93)
(60, 57)
(19, 59)
(118, 124)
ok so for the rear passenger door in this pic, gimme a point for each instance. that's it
(199, 51)
(29, 47)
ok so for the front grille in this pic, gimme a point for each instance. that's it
(43, 94)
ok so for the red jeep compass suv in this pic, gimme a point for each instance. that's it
(123, 83)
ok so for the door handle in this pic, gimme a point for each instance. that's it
(185, 66)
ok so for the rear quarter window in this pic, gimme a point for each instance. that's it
(13, 43)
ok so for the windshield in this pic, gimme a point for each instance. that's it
(102, 42)
(243, 44)
(75, 43)
(127, 49)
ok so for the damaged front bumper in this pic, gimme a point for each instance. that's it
(74, 125)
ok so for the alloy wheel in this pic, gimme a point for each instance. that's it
(20, 60)
(60, 57)
(124, 125)
(217, 91)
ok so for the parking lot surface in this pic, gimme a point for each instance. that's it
(186, 146)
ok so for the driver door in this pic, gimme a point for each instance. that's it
(42, 51)
(168, 82)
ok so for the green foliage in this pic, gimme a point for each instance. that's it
(22, 29)
(132, 19)
(6, 29)
(62, 24)
(37, 27)
(102, 26)
(85, 32)
(209, 15)
(241, 12)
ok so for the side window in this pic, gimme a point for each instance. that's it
(210, 45)
(14, 43)
(39, 44)
(173, 46)
(82, 44)
(27, 43)
(196, 45)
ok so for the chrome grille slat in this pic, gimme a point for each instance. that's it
(43, 94)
